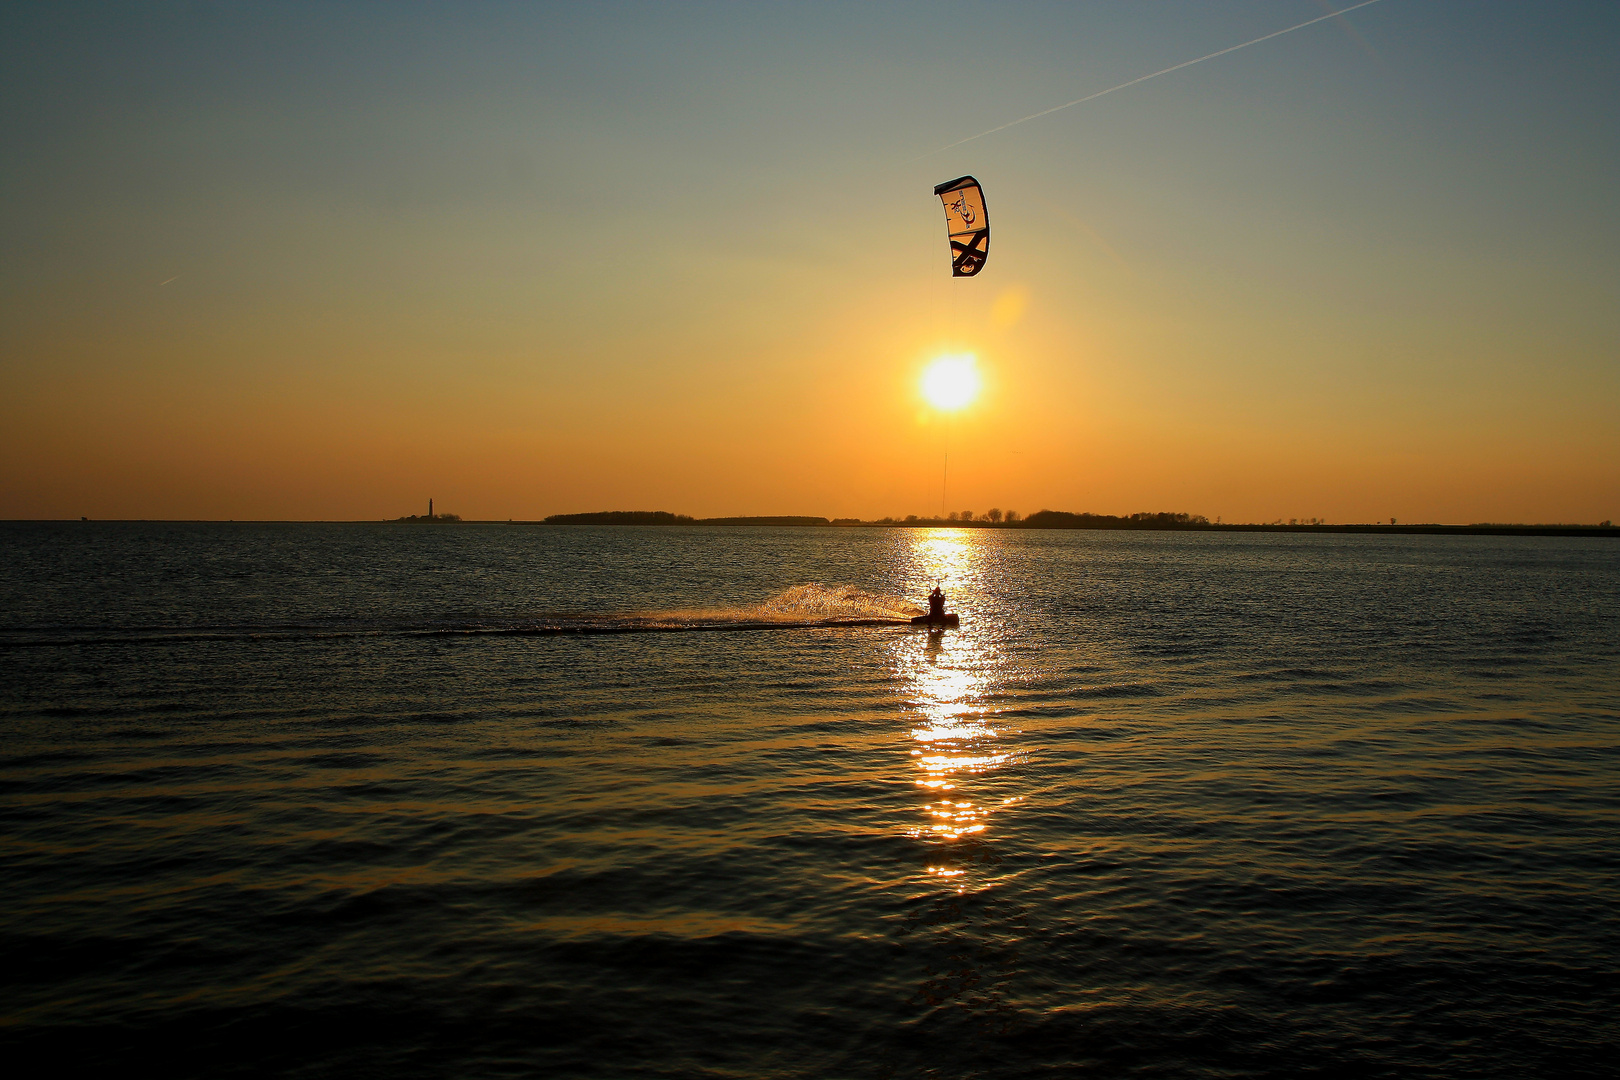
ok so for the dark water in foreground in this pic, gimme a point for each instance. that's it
(341, 801)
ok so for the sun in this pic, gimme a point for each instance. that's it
(951, 382)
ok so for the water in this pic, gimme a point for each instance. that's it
(424, 801)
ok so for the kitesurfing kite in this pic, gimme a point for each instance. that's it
(967, 223)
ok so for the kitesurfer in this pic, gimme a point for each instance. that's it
(936, 604)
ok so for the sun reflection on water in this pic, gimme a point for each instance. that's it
(966, 927)
(947, 677)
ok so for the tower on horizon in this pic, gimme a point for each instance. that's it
(430, 509)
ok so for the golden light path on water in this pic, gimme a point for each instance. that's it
(947, 682)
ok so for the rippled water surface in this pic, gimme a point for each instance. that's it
(481, 801)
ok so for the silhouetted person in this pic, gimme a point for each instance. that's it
(936, 604)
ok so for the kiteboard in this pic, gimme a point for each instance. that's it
(941, 621)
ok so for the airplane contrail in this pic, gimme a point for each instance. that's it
(1153, 75)
(176, 277)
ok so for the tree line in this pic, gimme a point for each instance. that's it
(994, 517)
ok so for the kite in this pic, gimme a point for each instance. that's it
(967, 223)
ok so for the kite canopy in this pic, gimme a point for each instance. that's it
(968, 224)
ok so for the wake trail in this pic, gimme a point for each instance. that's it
(801, 607)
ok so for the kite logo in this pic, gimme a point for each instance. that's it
(969, 257)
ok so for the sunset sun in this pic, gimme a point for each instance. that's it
(951, 382)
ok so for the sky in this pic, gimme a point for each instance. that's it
(326, 260)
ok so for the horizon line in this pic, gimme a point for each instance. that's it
(819, 521)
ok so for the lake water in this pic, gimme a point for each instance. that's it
(369, 800)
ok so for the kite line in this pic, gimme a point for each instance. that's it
(1154, 75)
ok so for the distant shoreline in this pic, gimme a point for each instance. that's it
(1460, 530)
(1056, 519)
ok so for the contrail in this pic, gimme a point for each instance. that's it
(1154, 75)
(176, 277)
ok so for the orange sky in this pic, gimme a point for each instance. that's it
(533, 265)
